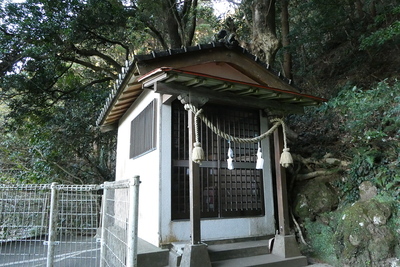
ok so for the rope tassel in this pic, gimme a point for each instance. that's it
(286, 157)
(197, 153)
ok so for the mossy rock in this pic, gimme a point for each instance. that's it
(313, 198)
(365, 238)
(321, 238)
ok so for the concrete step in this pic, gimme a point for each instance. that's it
(234, 250)
(150, 255)
(266, 260)
(250, 253)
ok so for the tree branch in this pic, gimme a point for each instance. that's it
(192, 27)
(156, 34)
(311, 175)
(6, 32)
(59, 166)
(102, 38)
(90, 66)
(65, 93)
(94, 52)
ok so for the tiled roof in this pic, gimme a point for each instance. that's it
(128, 86)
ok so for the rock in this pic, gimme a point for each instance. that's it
(367, 191)
(364, 234)
(381, 244)
(313, 198)
(354, 240)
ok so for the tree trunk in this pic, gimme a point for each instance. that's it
(265, 43)
(172, 24)
(372, 9)
(191, 25)
(179, 24)
(287, 56)
(359, 8)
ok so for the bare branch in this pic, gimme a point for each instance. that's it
(90, 66)
(102, 38)
(156, 34)
(94, 52)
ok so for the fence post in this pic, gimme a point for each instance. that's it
(133, 222)
(52, 225)
(103, 224)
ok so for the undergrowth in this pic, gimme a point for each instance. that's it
(363, 127)
(360, 126)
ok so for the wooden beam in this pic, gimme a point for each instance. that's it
(226, 98)
(281, 188)
(194, 186)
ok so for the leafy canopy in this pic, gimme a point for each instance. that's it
(57, 63)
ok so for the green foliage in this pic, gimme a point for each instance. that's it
(57, 61)
(369, 116)
(59, 144)
(322, 240)
(381, 36)
(370, 123)
(239, 22)
(335, 39)
(386, 28)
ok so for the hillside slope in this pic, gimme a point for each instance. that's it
(345, 183)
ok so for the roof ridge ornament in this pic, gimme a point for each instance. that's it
(227, 38)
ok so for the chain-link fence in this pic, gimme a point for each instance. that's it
(49, 225)
(119, 223)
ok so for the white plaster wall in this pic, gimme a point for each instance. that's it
(146, 166)
(219, 229)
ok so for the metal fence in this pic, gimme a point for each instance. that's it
(59, 225)
(119, 223)
(49, 225)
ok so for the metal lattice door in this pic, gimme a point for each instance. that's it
(225, 193)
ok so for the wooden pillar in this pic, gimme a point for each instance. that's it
(194, 254)
(281, 189)
(194, 186)
(285, 245)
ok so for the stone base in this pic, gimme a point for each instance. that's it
(195, 256)
(286, 246)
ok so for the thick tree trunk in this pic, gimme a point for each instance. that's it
(180, 23)
(191, 25)
(287, 56)
(172, 24)
(265, 43)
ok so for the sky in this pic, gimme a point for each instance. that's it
(221, 6)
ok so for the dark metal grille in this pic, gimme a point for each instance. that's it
(225, 193)
(143, 133)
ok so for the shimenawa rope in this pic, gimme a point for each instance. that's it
(198, 153)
